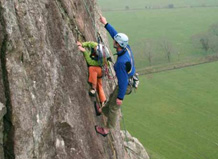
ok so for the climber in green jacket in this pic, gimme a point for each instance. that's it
(91, 51)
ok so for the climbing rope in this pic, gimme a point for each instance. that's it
(125, 132)
(106, 68)
(74, 27)
(99, 40)
(79, 34)
(7, 151)
(110, 141)
(91, 17)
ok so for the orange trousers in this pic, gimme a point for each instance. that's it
(95, 78)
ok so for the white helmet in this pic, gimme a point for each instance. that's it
(121, 39)
(102, 51)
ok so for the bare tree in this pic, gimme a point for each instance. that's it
(167, 47)
(145, 50)
(201, 41)
(148, 43)
(213, 44)
(214, 29)
(207, 41)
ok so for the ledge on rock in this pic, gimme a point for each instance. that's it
(133, 147)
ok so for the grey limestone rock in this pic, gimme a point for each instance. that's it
(49, 112)
(134, 149)
(2, 113)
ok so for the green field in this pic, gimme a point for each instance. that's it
(174, 25)
(174, 114)
(121, 4)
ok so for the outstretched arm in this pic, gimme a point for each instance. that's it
(109, 27)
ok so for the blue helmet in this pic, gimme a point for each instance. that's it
(122, 39)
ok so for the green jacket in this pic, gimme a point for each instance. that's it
(88, 46)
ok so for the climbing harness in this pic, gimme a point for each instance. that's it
(106, 67)
(133, 82)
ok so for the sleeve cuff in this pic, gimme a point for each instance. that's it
(106, 25)
(120, 98)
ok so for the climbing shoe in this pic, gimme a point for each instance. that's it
(92, 92)
(101, 131)
(97, 107)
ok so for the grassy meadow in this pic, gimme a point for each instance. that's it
(174, 113)
(177, 26)
(121, 4)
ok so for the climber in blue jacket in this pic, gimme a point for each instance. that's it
(124, 68)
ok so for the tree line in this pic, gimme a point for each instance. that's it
(206, 42)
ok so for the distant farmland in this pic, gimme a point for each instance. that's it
(175, 114)
(124, 4)
(150, 31)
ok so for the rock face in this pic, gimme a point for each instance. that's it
(2, 94)
(43, 82)
(134, 148)
(2, 113)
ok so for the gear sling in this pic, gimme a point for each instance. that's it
(133, 81)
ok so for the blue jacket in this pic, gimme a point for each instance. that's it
(122, 65)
